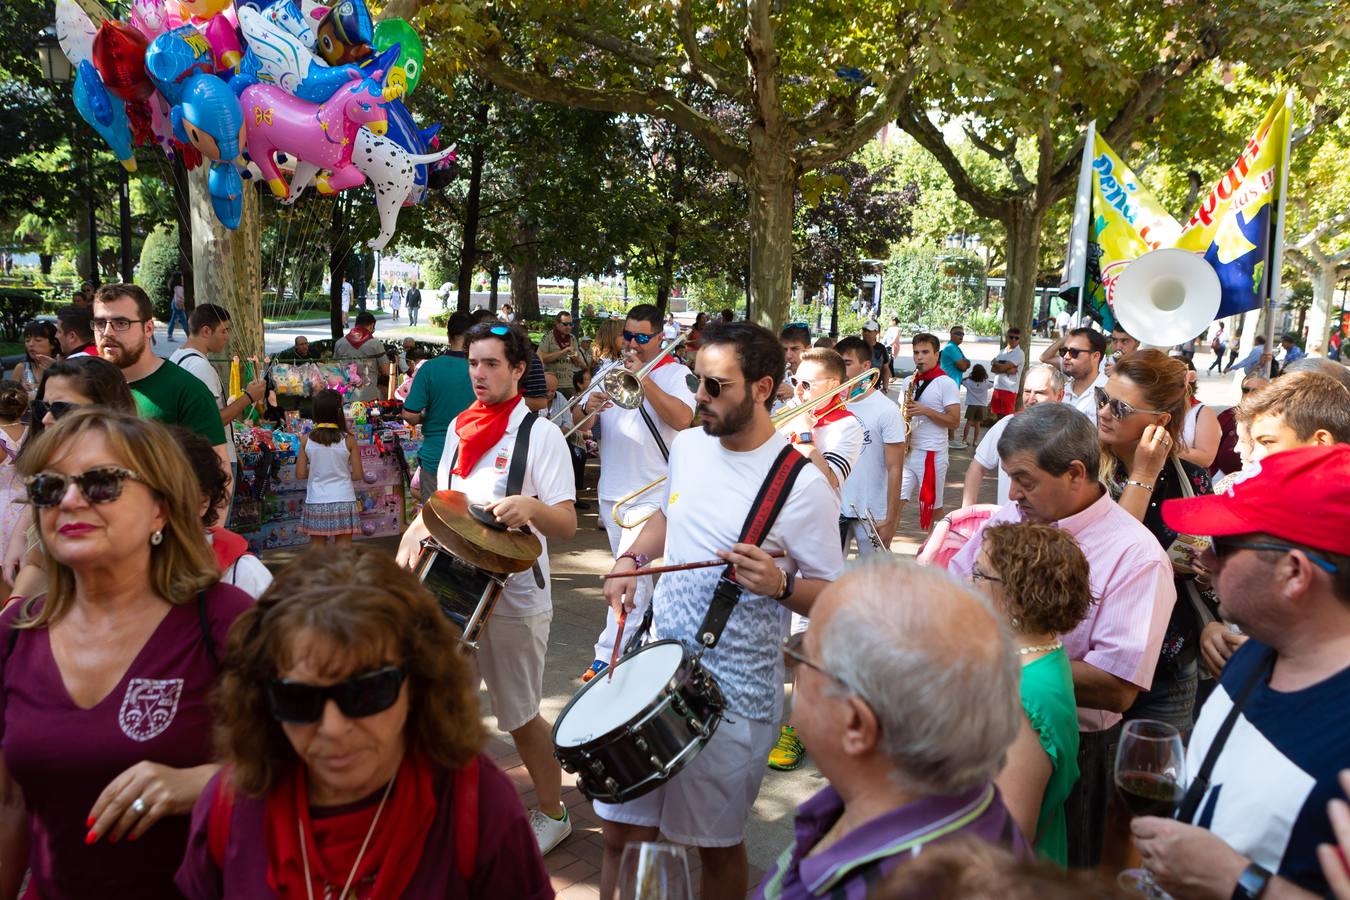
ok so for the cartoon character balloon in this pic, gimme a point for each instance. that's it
(277, 56)
(345, 33)
(397, 32)
(215, 21)
(209, 118)
(105, 113)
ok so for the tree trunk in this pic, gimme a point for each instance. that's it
(525, 275)
(231, 263)
(1321, 313)
(1023, 226)
(45, 263)
(492, 291)
(340, 246)
(576, 299)
(770, 178)
(468, 254)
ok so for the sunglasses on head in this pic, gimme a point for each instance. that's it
(642, 339)
(1072, 352)
(712, 385)
(101, 485)
(1225, 547)
(57, 408)
(499, 330)
(1119, 408)
(358, 697)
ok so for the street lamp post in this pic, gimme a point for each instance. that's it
(57, 71)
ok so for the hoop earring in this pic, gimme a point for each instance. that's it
(157, 538)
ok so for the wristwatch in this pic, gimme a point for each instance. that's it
(805, 437)
(1252, 882)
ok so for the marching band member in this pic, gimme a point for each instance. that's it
(936, 407)
(874, 489)
(829, 436)
(716, 473)
(796, 340)
(478, 451)
(634, 445)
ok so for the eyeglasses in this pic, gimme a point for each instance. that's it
(642, 339)
(793, 655)
(358, 697)
(101, 485)
(1119, 408)
(1224, 547)
(117, 324)
(712, 385)
(57, 408)
(977, 575)
(1072, 352)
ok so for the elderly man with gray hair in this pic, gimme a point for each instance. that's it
(1052, 454)
(907, 700)
(1043, 384)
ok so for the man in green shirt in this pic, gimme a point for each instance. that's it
(440, 391)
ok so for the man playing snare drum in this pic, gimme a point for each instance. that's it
(715, 474)
(476, 460)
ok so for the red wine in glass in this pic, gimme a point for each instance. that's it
(1148, 793)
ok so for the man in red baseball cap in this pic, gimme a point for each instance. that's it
(1269, 742)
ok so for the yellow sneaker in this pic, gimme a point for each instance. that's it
(787, 754)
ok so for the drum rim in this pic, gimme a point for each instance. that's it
(646, 709)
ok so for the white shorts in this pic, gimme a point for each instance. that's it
(620, 539)
(708, 802)
(911, 477)
(510, 660)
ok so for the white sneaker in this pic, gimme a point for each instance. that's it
(548, 831)
(957, 445)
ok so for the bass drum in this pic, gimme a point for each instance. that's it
(626, 736)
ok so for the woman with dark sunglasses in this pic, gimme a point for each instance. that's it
(353, 743)
(1140, 416)
(104, 679)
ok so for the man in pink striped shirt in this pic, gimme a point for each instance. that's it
(1051, 454)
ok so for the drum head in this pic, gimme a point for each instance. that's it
(605, 704)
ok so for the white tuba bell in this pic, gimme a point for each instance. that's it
(1167, 297)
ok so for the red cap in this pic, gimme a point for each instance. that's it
(1301, 496)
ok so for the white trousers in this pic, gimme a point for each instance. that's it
(620, 539)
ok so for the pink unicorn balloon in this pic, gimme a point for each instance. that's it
(323, 135)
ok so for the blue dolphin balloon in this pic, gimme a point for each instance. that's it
(104, 112)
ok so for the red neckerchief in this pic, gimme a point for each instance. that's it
(563, 339)
(228, 547)
(666, 360)
(91, 350)
(837, 413)
(333, 842)
(356, 337)
(479, 428)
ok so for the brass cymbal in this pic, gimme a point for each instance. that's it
(476, 537)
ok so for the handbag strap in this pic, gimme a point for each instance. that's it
(1199, 785)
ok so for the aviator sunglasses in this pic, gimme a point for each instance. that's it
(358, 697)
(641, 339)
(713, 385)
(1119, 408)
(101, 485)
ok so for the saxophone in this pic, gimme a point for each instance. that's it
(907, 411)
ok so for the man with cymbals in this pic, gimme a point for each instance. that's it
(479, 449)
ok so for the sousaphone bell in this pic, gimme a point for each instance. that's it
(1166, 297)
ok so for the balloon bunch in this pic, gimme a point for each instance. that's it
(255, 86)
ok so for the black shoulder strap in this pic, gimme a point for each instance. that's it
(207, 637)
(191, 352)
(656, 432)
(1199, 785)
(515, 476)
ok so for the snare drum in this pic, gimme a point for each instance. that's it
(626, 736)
(466, 593)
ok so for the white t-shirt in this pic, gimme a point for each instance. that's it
(330, 473)
(881, 424)
(941, 393)
(890, 337)
(193, 362)
(707, 499)
(548, 476)
(1063, 319)
(1009, 381)
(671, 331)
(839, 443)
(1086, 402)
(978, 392)
(629, 455)
(986, 454)
(346, 295)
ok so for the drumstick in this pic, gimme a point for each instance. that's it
(707, 563)
(618, 642)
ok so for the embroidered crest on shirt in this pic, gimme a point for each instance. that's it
(149, 706)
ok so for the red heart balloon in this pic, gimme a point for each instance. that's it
(119, 56)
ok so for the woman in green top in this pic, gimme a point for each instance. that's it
(1037, 576)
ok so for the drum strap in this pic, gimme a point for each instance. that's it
(773, 495)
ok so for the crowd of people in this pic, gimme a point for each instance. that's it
(1147, 563)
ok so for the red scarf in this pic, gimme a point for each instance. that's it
(666, 360)
(333, 842)
(479, 428)
(562, 337)
(356, 337)
(927, 487)
(228, 546)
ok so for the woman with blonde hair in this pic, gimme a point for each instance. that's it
(1037, 576)
(353, 740)
(104, 678)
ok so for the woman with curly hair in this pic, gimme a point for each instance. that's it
(1038, 577)
(352, 737)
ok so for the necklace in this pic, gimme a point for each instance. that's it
(1039, 648)
(304, 852)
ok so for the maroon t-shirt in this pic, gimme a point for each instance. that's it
(63, 756)
(508, 862)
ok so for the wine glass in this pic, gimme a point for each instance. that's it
(1150, 768)
(654, 871)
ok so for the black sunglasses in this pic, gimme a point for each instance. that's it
(1119, 408)
(101, 485)
(1224, 547)
(1073, 352)
(57, 408)
(358, 697)
(643, 339)
(713, 385)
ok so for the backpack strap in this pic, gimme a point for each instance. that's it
(220, 818)
(466, 818)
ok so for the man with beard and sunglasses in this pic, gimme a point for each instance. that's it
(124, 323)
(716, 471)
(1079, 356)
(635, 445)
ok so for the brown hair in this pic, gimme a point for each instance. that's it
(327, 410)
(372, 609)
(183, 564)
(1162, 378)
(13, 400)
(923, 337)
(966, 868)
(110, 293)
(827, 359)
(1307, 402)
(1044, 573)
(605, 344)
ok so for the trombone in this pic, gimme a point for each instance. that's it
(779, 419)
(582, 395)
(624, 388)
